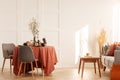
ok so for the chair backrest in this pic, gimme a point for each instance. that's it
(7, 49)
(25, 54)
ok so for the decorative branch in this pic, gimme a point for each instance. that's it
(101, 40)
(34, 27)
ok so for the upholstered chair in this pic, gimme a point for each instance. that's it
(26, 55)
(7, 49)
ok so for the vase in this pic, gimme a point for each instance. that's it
(34, 40)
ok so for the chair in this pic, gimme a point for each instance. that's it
(7, 49)
(25, 55)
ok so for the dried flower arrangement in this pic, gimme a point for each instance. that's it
(34, 27)
(101, 40)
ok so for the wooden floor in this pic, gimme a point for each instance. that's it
(59, 74)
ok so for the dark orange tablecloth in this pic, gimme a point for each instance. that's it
(45, 55)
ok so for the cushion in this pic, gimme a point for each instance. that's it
(104, 49)
(110, 50)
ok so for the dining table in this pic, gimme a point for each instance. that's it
(46, 57)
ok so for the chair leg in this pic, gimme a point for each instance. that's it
(20, 68)
(36, 66)
(24, 67)
(32, 69)
(10, 65)
(3, 64)
(104, 68)
(43, 72)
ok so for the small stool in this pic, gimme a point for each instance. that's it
(115, 72)
(89, 60)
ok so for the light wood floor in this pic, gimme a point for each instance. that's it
(59, 74)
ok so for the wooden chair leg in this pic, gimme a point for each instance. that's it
(104, 68)
(42, 68)
(3, 64)
(32, 69)
(43, 71)
(10, 65)
(20, 68)
(36, 66)
(24, 67)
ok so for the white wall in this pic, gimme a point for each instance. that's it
(59, 20)
(7, 24)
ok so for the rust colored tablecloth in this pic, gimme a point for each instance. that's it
(45, 55)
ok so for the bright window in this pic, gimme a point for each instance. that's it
(81, 42)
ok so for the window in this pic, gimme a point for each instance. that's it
(81, 42)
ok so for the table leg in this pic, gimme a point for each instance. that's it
(95, 67)
(79, 66)
(82, 68)
(99, 67)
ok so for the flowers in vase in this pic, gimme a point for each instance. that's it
(34, 27)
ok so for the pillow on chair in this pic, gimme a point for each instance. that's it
(110, 50)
